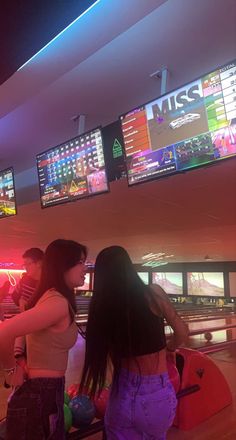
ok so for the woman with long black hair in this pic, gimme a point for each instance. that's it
(126, 326)
(35, 410)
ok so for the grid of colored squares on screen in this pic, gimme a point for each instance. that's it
(72, 170)
(191, 126)
(7, 193)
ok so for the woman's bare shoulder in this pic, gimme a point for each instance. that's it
(52, 294)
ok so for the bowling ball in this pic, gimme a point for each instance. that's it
(83, 411)
(67, 418)
(66, 398)
(73, 390)
(173, 375)
(100, 403)
(208, 336)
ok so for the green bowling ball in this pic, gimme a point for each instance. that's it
(66, 398)
(67, 418)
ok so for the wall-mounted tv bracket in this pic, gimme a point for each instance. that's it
(163, 75)
(80, 121)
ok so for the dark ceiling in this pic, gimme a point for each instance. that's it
(26, 26)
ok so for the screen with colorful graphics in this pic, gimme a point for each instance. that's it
(205, 283)
(171, 282)
(72, 170)
(191, 126)
(7, 193)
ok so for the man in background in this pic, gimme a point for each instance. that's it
(26, 287)
(23, 292)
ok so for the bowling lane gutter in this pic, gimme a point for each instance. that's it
(213, 318)
(219, 346)
(211, 329)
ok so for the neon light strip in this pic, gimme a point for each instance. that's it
(12, 270)
(83, 13)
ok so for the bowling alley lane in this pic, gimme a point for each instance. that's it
(207, 332)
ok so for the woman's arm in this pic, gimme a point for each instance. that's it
(179, 327)
(42, 316)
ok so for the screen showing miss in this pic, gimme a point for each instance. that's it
(72, 170)
(191, 126)
(7, 193)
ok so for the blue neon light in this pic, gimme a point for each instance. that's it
(81, 15)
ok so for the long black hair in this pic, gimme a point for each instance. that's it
(118, 303)
(60, 256)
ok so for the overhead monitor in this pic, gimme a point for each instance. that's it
(7, 193)
(188, 127)
(171, 282)
(205, 283)
(114, 151)
(144, 277)
(72, 170)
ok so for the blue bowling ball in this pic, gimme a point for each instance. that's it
(83, 411)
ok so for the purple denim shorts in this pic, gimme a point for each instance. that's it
(143, 407)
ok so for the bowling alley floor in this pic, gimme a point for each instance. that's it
(222, 426)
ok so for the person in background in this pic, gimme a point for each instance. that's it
(23, 292)
(26, 287)
(126, 327)
(35, 410)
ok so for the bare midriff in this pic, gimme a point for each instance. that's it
(149, 364)
(36, 372)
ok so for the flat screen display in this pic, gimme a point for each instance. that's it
(144, 277)
(171, 282)
(7, 193)
(191, 126)
(205, 283)
(232, 284)
(114, 151)
(72, 170)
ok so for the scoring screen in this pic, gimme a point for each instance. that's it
(191, 126)
(72, 170)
